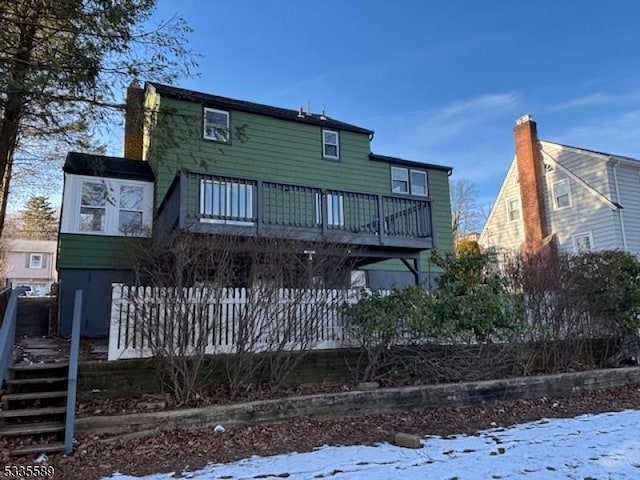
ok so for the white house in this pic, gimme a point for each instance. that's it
(576, 198)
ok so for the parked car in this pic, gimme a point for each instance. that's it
(25, 291)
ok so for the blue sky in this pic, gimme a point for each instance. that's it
(439, 81)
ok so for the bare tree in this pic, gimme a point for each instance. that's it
(466, 214)
(63, 65)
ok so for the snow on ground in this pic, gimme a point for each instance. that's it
(589, 447)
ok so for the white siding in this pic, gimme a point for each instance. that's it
(628, 176)
(499, 232)
(589, 212)
(593, 201)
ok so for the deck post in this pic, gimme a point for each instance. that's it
(259, 206)
(381, 226)
(185, 178)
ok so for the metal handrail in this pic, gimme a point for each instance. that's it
(73, 373)
(7, 336)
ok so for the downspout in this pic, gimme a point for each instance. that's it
(615, 181)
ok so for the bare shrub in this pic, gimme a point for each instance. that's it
(253, 300)
(594, 295)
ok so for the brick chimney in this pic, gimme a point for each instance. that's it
(134, 122)
(531, 177)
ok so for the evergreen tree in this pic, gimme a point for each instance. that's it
(38, 219)
(64, 65)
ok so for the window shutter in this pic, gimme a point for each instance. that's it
(44, 260)
(27, 258)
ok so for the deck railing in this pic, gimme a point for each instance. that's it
(262, 205)
(7, 336)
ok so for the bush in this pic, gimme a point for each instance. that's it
(470, 306)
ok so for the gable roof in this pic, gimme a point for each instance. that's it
(602, 155)
(103, 166)
(209, 100)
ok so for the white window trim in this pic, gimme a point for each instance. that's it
(574, 241)
(508, 209)
(33, 256)
(555, 197)
(408, 172)
(72, 201)
(426, 184)
(325, 143)
(227, 127)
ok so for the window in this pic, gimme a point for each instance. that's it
(513, 209)
(335, 209)
(561, 194)
(399, 180)
(226, 202)
(418, 183)
(404, 180)
(93, 207)
(36, 260)
(106, 206)
(216, 125)
(330, 144)
(582, 242)
(130, 208)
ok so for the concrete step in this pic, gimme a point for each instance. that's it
(36, 449)
(32, 412)
(31, 429)
(35, 381)
(9, 397)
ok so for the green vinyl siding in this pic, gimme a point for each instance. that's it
(93, 251)
(442, 237)
(271, 149)
(261, 147)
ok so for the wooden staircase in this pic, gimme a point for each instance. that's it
(33, 408)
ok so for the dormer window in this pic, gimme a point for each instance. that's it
(216, 125)
(330, 144)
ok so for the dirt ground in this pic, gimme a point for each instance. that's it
(166, 451)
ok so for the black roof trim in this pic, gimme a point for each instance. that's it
(409, 163)
(103, 166)
(232, 104)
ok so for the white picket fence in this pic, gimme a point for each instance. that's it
(146, 319)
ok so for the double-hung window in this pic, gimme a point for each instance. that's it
(513, 209)
(226, 201)
(404, 180)
(330, 144)
(93, 207)
(216, 125)
(130, 209)
(399, 180)
(561, 194)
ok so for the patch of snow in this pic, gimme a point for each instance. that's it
(41, 458)
(219, 429)
(590, 446)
